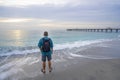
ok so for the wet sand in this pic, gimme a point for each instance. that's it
(89, 70)
(96, 62)
(106, 65)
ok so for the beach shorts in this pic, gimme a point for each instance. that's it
(48, 57)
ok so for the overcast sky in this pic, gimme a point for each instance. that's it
(58, 13)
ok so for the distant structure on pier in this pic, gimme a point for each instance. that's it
(97, 30)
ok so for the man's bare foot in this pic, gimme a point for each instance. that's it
(43, 71)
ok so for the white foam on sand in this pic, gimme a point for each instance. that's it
(4, 60)
(78, 44)
(15, 52)
(10, 72)
(76, 55)
(15, 66)
(90, 56)
(59, 60)
(34, 60)
(68, 45)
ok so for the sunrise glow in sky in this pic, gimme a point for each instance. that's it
(54, 14)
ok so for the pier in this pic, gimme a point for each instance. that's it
(97, 30)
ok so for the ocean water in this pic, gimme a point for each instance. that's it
(20, 55)
(25, 41)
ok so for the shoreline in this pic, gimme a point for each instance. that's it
(89, 70)
(94, 62)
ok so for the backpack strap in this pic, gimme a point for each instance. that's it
(45, 39)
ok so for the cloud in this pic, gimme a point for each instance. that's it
(77, 13)
(58, 14)
(47, 24)
(55, 12)
(24, 3)
(13, 20)
(21, 3)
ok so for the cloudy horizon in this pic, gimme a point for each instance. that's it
(59, 13)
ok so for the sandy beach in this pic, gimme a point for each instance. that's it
(94, 67)
(79, 69)
(100, 61)
(89, 70)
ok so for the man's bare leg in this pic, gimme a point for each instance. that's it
(49, 65)
(44, 66)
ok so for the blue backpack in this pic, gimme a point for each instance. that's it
(46, 45)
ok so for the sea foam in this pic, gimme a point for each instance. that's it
(68, 45)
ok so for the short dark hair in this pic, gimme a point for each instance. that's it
(45, 33)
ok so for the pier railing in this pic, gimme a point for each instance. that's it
(97, 30)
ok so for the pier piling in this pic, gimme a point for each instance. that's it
(97, 30)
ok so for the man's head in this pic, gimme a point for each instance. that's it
(45, 33)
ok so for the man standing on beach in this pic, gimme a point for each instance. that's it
(46, 47)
